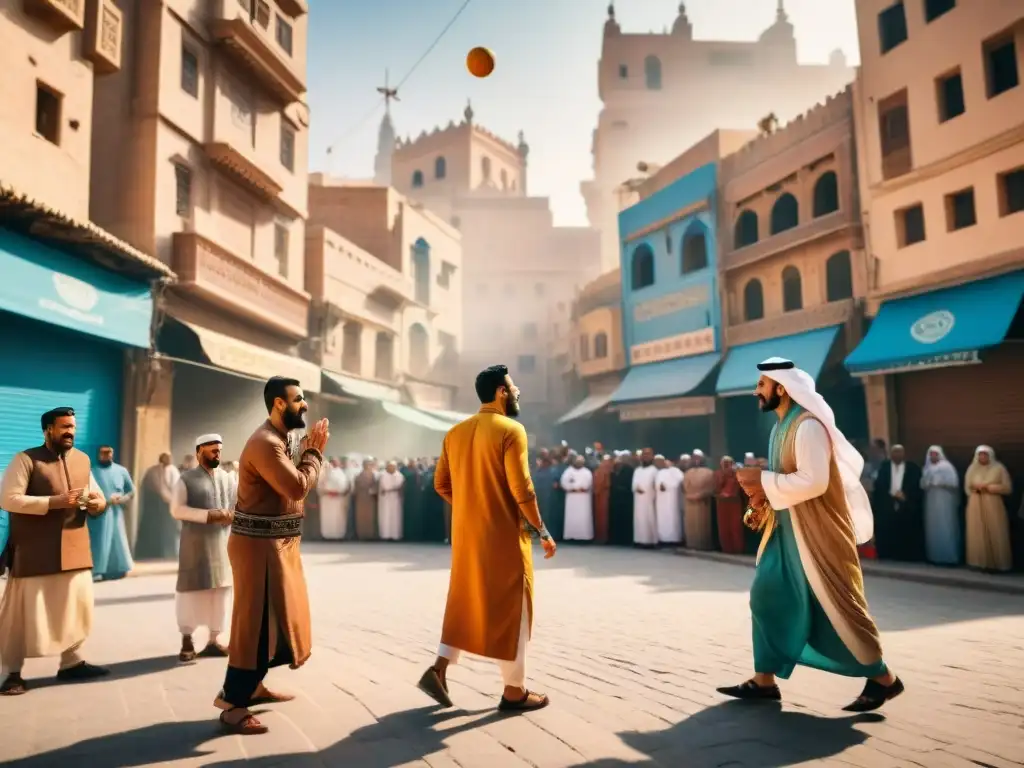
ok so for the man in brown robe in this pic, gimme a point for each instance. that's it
(602, 498)
(484, 472)
(270, 624)
(47, 606)
(366, 502)
(699, 489)
(729, 508)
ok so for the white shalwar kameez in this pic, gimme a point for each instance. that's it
(335, 489)
(667, 504)
(645, 521)
(206, 607)
(389, 505)
(577, 483)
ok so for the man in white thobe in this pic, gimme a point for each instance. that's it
(203, 500)
(577, 482)
(645, 519)
(389, 502)
(334, 488)
(668, 479)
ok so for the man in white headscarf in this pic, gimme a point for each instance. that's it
(807, 598)
(666, 505)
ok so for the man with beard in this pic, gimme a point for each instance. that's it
(897, 501)
(47, 606)
(390, 488)
(203, 500)
(484, 472)
(602, 498)
(807, 598)
(645, 515)
(333, 490)
(620, 513)
(669, 481)
(270, 624)
(108, 534)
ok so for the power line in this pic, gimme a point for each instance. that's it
(430, 48)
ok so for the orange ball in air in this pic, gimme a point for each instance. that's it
(480, 62)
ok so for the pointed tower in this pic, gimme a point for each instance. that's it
(682, 26)
(385, 137)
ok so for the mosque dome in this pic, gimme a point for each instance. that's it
(682, 25)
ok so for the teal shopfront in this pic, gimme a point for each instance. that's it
(65, 324)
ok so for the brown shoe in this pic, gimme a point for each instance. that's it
(187, 653)
(249, 725)
(432, 685)
(264, 695)
(528, 703)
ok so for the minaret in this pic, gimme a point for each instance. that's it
(385, 137)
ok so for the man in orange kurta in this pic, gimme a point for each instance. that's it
(484, 473)
(270, 623)
(602, 497)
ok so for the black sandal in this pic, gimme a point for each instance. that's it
(751, 691)
(14, 685)
(81, 672)
(874, 696)
(524, 704)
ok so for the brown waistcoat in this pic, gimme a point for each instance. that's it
(42, 545)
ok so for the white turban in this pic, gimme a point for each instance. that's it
(748, 455)
(800, 387)
(685, 457)
(659, 457)
(208, 439)
(698, 452)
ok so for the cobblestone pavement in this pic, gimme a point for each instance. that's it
(630, 646)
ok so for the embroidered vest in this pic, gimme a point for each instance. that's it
(203, 557)
(42, 545)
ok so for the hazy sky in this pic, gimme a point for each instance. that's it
(545, 82)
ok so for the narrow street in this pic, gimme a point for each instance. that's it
(630, 646)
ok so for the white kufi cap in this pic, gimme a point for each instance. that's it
(208, 439)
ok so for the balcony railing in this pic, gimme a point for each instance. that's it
(215, 275)
(61, 15)
(294, 8)
(897, 163)
(790, 323)
(101, 43)
(802, 234)
(243, 170)
(244, 28)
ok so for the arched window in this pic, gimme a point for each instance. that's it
(753, 300)
(584, 348)
(695, 249)
(652, 73)
(745, 232)
(792, 290)
(384, 364)
(785, 214)
(417, 179)
(826, 194)
(352, 348)
(601, 345)
(642, 267)
(419, 350)
(440, 168)
(485, 168)
(838, 277)
(421, 270)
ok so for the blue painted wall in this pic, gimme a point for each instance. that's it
(698, 185)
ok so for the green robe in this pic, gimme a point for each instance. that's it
(789, 625)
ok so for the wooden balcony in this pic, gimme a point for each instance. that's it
(802, 234)
(790, 323)
(61, 15)
(294, 8)
(243, 170)
(244, 29)
(104, 32)
(215, 275)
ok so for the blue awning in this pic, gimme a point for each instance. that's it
(46, 284)
(941, 328)
(671, 378)
(808, 350)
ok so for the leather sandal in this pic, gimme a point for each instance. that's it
(14, 685)
(524, 704)
(247, 726)
(264, 695)
(874, 696)
(751, 691)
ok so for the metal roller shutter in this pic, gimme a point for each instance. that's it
(962, 407)
(43, 367)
